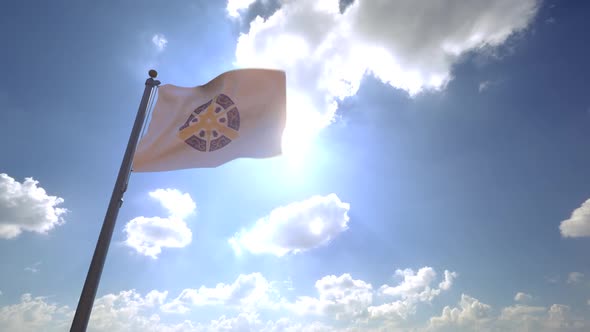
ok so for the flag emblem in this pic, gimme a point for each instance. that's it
(211, 126)
(238, 114)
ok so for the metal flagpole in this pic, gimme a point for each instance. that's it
(80, 322)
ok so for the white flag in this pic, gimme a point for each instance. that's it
(240, 113)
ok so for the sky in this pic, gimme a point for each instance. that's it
(434, 174)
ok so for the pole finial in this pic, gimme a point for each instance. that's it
(153, 73)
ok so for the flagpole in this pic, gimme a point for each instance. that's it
(86, 301)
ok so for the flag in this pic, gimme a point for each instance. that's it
(238, 114)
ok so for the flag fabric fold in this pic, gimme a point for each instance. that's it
(238, 114)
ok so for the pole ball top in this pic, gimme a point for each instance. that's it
(153, 73)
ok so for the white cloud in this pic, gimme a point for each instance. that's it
(234, 7)
(484, 85)
(557, 318)
(473, 315)
(552, 279)
(471, 312)
(415, 287)
(578, 224)
(522, 297)
(126, 311)
(521, 312)
(575, 277)
(179, 205)
(346, 299)
(148, 235)
(33, 268)
(247, 304)
(159, 41)
(418, 284)
(340, 297)
(27, 207)
(32, 314)
(410, 45)
(248, 291)
(294, 228)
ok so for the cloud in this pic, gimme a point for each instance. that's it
(552, 279)
(415, 287)
(521, 312)
(575, 277)
(522, 297)
(129, 311)
(578, 224)
(126, 311)
(27, 207)
(418, 284)
(473, 315)
(484, 85)
(247, 291)
(179, 205)
(341, 297)
(470, 312)
(295, 228)
(343, 304)
(32, 314)
(33, 268)
(346, 299)
(234, 7)
(409, 45)
(148, 235)
(159, 41)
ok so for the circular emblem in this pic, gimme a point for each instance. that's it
(212, 125)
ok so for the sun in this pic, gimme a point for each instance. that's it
(304, 123)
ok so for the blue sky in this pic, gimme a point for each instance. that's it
(442, 147)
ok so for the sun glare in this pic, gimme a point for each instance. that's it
(303, 125)
(316, 226)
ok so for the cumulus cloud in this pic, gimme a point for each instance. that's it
(126, 311)
(346, 299)
(415, 287)
(340, 297)
(247, 291)
(159, 41)
(148, 235)
(470, 313)
(522, 297)
(418, 284)
(130, 312)
(473, 315)
(575, 277)
(234, 7)
(123, 316)
(27, 207)
(179, 205)
(296, 227)
(410, 45)
(578, 224)
(32, 314)
(343, 304)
